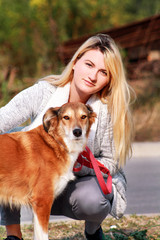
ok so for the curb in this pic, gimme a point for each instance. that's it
(146, 149)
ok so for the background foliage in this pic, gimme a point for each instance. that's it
(31, 30)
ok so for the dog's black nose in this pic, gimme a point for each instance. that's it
(77, 132)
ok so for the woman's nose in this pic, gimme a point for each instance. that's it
(93, 75)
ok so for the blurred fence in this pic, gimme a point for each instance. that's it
(140, 40)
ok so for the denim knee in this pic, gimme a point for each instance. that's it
(90, 205)
(94, 207)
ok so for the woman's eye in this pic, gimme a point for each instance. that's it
(83, 116)
(66, 117)
(104, 73)
(89, 64)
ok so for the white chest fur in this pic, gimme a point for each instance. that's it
(62, 181)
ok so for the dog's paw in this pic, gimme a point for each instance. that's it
(72, 177)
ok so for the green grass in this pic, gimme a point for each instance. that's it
(127, 228)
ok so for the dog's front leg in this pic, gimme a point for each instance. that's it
(39, 233)
(41, 210)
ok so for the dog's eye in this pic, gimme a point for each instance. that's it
(83, 116)
(66, 117)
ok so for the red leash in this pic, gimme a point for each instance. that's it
(91, 162)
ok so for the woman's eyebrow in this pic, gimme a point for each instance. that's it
(102, 69)
(88, 60)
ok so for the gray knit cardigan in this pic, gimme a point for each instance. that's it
(29, 103)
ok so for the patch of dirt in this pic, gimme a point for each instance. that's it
(146, 109)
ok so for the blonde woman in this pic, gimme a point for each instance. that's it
(95, 75)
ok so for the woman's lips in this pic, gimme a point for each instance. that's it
(89, 83)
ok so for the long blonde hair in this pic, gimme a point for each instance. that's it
(116, 94)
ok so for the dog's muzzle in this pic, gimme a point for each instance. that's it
(77, 132)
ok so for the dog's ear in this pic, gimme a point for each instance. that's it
(92, 115)
(50, 115)
(89, 108)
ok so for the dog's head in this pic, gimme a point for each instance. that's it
(72, 121)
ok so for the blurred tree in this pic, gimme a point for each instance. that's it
(16, 24)
(138, 9)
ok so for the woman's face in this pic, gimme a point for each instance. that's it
(90, 75)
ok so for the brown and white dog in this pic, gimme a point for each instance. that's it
(35, 166)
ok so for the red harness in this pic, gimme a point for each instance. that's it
(98, 167)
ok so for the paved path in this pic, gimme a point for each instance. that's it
(143, 176)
